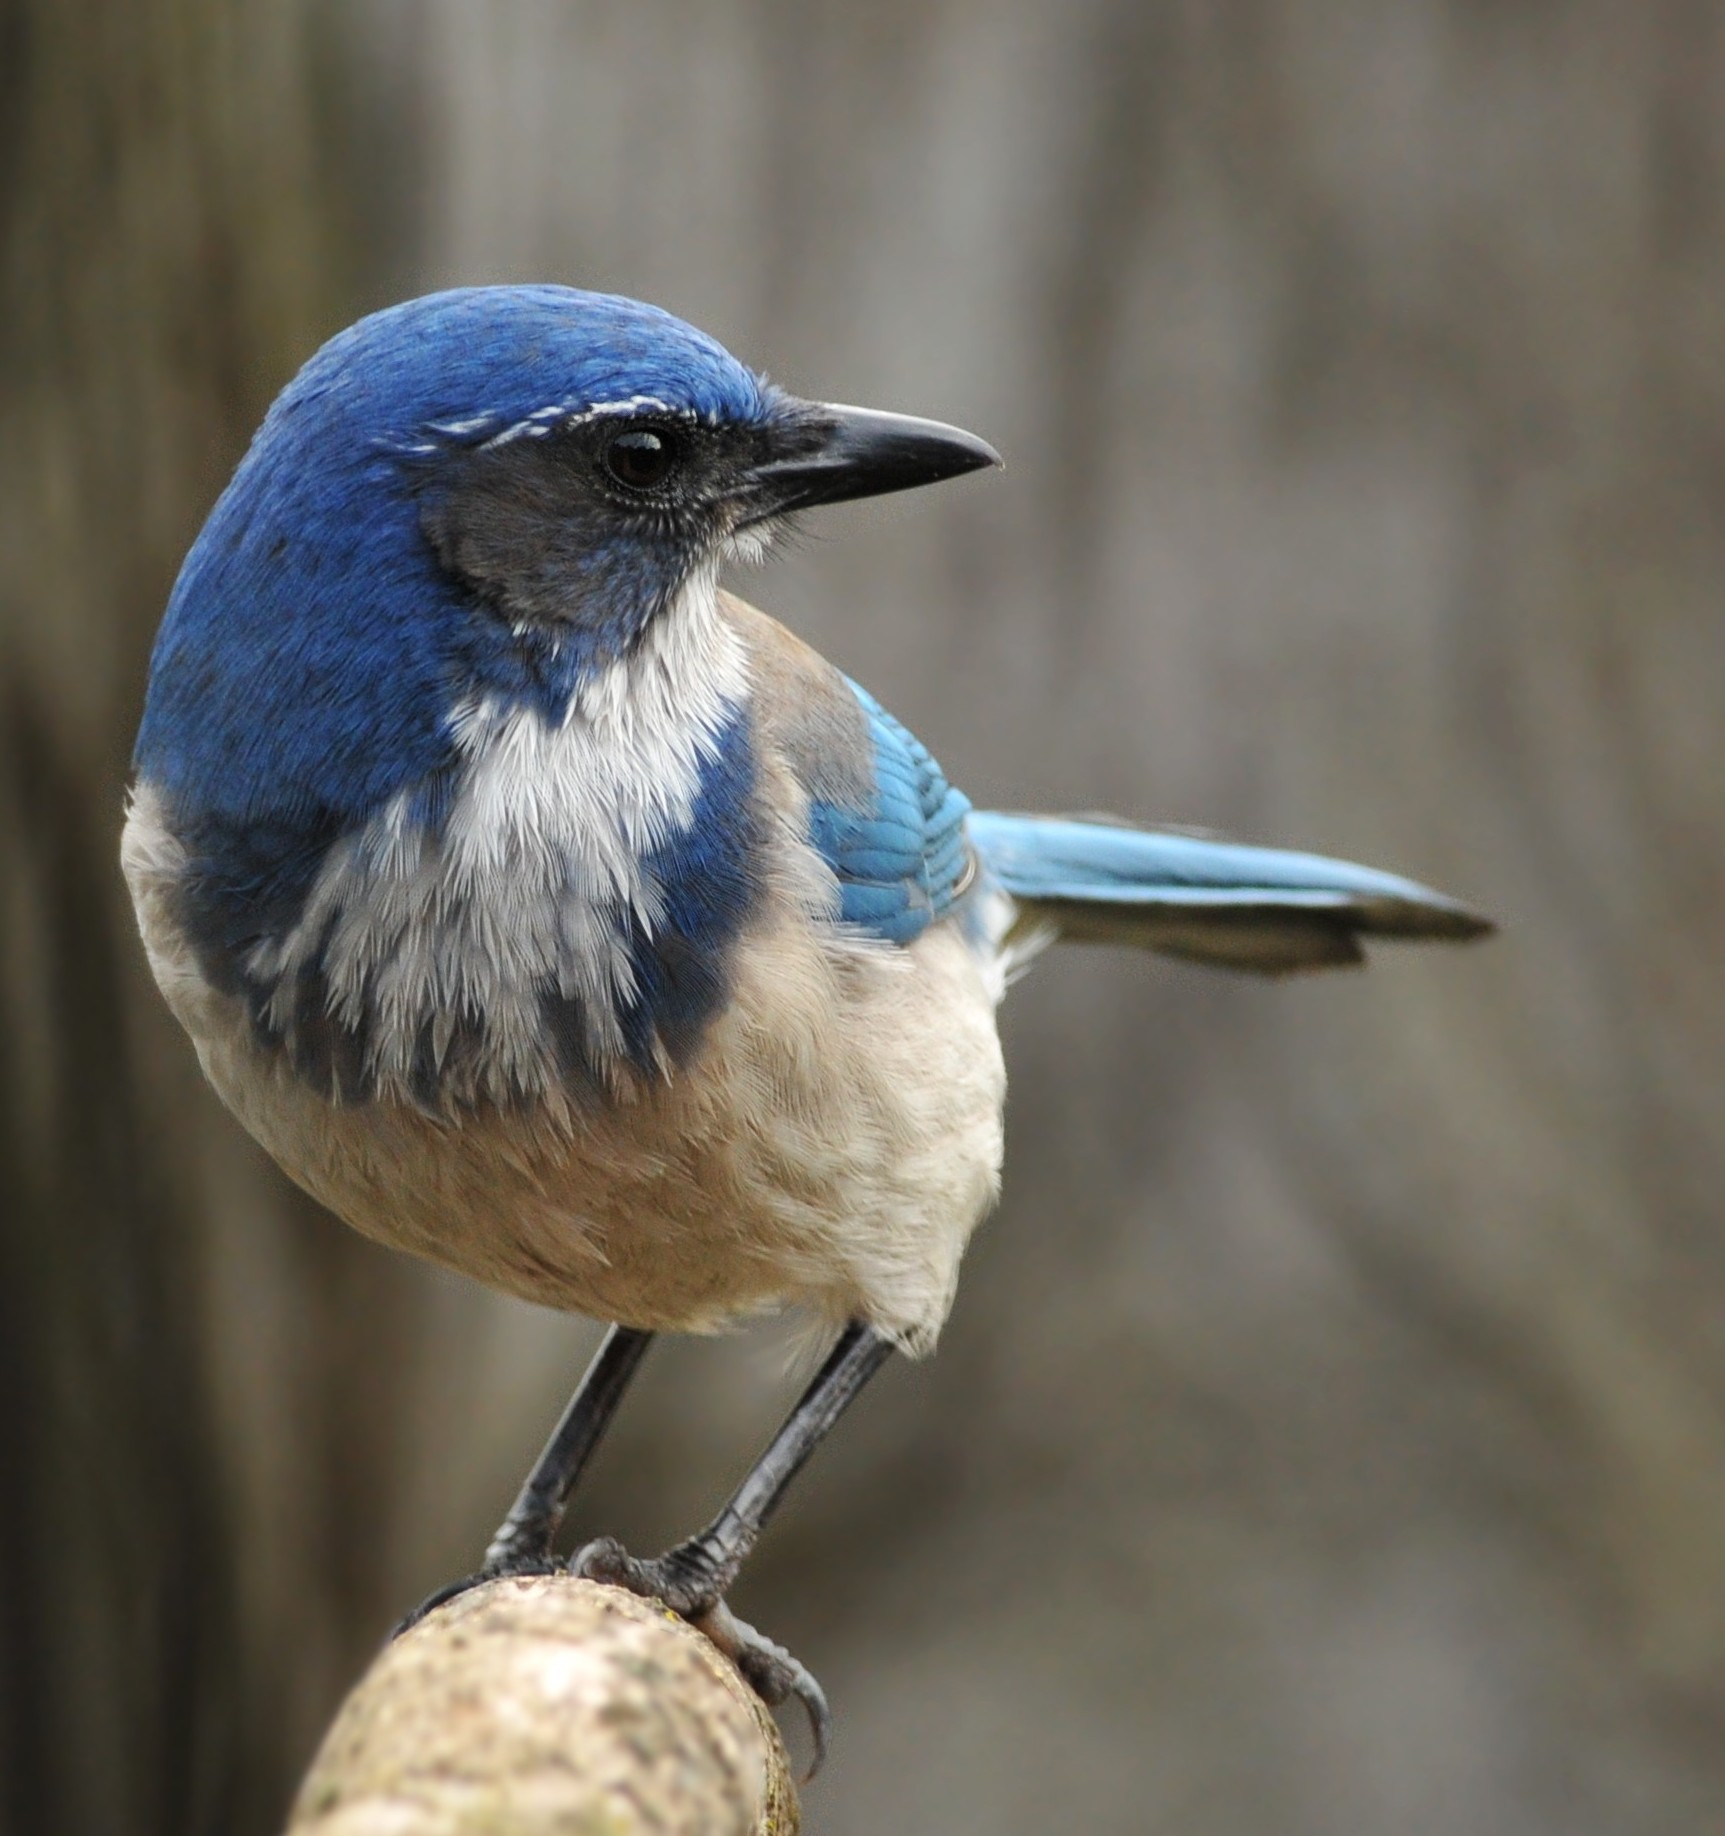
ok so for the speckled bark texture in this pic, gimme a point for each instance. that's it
(549, 1706)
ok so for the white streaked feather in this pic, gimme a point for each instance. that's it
(540, 858)
(833, 1146)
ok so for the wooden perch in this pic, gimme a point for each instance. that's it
(553, 1705)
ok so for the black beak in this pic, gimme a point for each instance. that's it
(823, 453)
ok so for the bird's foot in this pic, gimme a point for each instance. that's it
(681, 1581)
(494, 1570)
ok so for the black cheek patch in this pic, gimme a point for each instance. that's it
(527, 530)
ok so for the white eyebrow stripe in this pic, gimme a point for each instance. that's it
(629, 405)
(552, 418)
(472, 425)
(531, 430)
(558, 416)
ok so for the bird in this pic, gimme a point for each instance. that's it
(548, 911)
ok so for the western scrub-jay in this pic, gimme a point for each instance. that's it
(547, 911)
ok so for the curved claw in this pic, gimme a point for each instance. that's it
(768, 1668)
(771, 1672)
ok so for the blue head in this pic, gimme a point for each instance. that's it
(461, 511)
(414, 522)
(487, 491)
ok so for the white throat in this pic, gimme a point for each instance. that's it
(619, 775)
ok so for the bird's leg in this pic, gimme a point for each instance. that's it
(526, 1534)
(522, 1545)
(692, 1578)
(693, 1575)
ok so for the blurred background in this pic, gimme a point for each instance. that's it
(1331, 1432)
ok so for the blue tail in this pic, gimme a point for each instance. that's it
(1262, 909)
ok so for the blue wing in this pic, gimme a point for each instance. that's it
(899, 853)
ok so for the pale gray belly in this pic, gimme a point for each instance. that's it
(832, 1146)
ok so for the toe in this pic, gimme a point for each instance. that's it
(771, 1672)
(677, 1584)
(605, 1559)
(769, 1669)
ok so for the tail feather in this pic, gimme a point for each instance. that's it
(1264, 909)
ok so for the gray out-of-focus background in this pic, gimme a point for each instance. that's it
(1331, 1432)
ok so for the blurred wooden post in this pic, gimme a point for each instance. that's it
(549, 1705)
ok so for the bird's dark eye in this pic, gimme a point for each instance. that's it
(640, 458)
